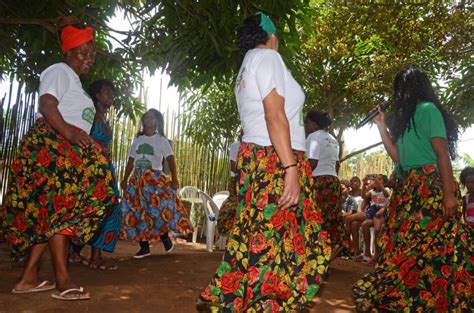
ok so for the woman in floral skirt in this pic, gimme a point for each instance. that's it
(323, 155)
(150, 205)
(424, 264)
(226, 218)
(276, 254)
(105, 238)
(60, 182)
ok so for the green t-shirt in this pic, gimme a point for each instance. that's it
(415, 148)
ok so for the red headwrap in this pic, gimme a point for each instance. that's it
(72, 37)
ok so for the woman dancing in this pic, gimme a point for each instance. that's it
(424, 262)
(276, 254)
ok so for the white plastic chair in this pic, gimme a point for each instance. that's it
(219, 198)
(212, 212)
(190, 192)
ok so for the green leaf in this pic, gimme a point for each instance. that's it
(223, 268)
(311, 291)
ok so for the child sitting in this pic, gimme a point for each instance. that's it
(376, 197)
(352, 196)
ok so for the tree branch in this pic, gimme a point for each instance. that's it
(47, 23)
(350, 155)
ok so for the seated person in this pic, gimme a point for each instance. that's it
(375, 199)
(352, 196)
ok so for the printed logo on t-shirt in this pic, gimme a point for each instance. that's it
(88, 115)
(144, 149)
(239, 81)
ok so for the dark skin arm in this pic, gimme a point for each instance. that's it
(279, 131)
(366, 187)
(172, 166)
(440, 147)
(48, 107)
(128, 170)
(338, 166)
(233, 166)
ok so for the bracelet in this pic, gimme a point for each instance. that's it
(291, 165)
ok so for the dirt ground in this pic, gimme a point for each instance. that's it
(160, 283)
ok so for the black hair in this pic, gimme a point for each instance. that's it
(161, 122)
(251, 34)
(465, 173)
(345, 182)
(411, 86)
(384, 178)
(96, 87)
(323, 119)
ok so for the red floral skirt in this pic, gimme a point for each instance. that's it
(327, 193)
(275, 259)
(54, 186)
(424, 263)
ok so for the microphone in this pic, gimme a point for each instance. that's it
(383, 106)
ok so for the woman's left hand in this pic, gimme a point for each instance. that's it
(175, 185)
(449, 205)
(291, 190)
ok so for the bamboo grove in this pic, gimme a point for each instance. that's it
(197, 164)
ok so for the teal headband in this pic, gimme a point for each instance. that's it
(266, 24)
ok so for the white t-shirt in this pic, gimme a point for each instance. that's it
(74, 104)
(233, 152)
(378, 198)
(323, 147)
(149, 151)
(262, 71)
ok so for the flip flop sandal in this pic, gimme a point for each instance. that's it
(77, 259)
(65, 295)
(44, 286)
(102, 266)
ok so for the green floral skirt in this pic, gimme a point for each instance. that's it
(54, 186)
(424, 263)
(275, 259)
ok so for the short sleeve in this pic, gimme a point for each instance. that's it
(54, 81)
(165, 147)
(133, 149)
(313, 149)
(434, 122)
(234, 151)
(270, 74)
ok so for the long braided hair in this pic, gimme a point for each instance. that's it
(410, 87)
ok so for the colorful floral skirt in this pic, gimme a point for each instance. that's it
(226, 218)
(275, 259)
(424, 264)
(54, 186)
(108, 232)
(327, 193)
(151, 208)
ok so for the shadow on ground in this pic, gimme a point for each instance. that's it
(160, 283)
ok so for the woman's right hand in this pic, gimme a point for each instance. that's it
(81, 138)
(291, 190)
(379, 119)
